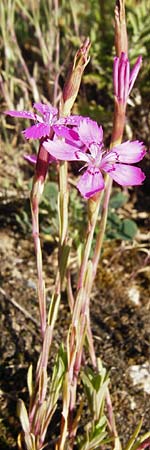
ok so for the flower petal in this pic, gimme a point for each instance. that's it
(126, 81)
(90, 132)
(126, 175)
(121, 76)
(90, 182)
(82, 156)
(32, 159)
(73, 120)
(61, 150)
(134, 72)
(115, 75)
(43, 108)
(69, 134)
(129, 152)
(37, 131)
(22, 114)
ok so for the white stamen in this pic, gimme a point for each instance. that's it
(95, 155)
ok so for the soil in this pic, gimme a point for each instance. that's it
(120, 306)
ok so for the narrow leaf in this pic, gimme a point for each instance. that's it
(23, 416)
(131, 441)
(30, 380)
(42, 385)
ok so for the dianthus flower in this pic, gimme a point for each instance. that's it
(44, 122)
(85, 143)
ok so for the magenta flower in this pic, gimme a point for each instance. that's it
(122, 78)
(43, 128)
(86, 145)
(44, 122)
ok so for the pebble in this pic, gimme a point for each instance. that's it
(140, 375)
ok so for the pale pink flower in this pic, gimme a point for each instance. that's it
(86, 144)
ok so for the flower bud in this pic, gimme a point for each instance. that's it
(123, 80)
(73, 80)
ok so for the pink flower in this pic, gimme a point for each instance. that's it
(43, 128)
(32, 159)
(44, 122)
(122, 78)
(86, 144)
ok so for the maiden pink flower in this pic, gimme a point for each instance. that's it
(86, 144)
(44, 122)
(43, 128)
(123, 79)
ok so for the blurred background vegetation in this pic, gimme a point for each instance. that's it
(38, 39)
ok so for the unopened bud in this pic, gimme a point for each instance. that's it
(123, 79)
(73, 80)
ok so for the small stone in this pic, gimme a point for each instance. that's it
(134, 295)
(31, 284)
(140, 375)
(133, 404)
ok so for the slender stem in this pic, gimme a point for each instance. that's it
(70, 92)
(63, 250)
(117, 133)
(89, 238)
(30, 79)
(80, 309)
(103, 222)
(110, 414)
(38, 253)
(63, 202)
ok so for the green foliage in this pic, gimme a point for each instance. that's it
(135, 442)
(95, 385)
(139, 29)
(125, 229)
(23, 220)
(118, 228)
(77, 217)
(47, 407)
(95, 437)
(139, 38)
(118, 199)
(48, 210)
(59, 370)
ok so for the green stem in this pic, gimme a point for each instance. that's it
(117, 133)
(94, 205)
(63, 251)
(35, 193)
(63, 202)
(103, 222)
